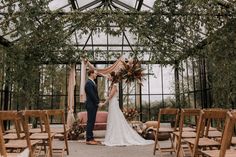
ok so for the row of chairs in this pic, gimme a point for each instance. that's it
(30, 130)
(197, 131)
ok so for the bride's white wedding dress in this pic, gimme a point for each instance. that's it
(119, 132)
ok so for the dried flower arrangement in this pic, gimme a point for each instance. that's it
(76, 130)
(132, 71)
(130, 113)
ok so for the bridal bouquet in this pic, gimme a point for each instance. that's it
(132, 71)
(130, 113)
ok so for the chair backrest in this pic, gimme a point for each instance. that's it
(40, 115)
(27, 134)
(19, 119)
(228, 132)
(206, 117)
(170, 115)
(58, 114)
(13, 118)
(214, 118)
(189, 115)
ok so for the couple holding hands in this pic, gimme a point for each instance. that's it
(118, 131)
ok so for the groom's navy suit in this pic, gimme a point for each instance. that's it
(92, 101)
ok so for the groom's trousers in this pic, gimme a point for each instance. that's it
(91, 114)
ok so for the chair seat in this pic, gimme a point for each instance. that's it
(13, 136)
(166, 129)
(40, 136)
(187, 129)
(186, 134)
(13, 154)
(35, 130)
(203, 142)
(215, 153)
(214, 134)
(59, 130)
(233, 141)
(20, 143)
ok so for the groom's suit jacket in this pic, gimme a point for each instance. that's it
(92, 99)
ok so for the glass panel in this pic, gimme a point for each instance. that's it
(59, 101)
(145, 108)
(155, 104)
(169, 101)
(45, 103)
(155, 80)
(59, 80)
(168, 80)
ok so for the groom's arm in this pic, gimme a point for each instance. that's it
(89, 88)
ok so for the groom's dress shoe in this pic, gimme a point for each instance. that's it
(92, 142)
(98, 142)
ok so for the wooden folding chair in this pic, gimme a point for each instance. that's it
(19, 145)
(11, 117)
(226, 139)
(3, 151)
(58, 116)
(202, 141)
(45, 135)
(191, 117)
(170, 115)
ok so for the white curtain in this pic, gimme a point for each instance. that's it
(71, 87)
(82, 82)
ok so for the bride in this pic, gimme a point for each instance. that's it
(119, 132)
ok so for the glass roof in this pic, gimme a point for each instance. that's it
(125, 43)
(91, 41)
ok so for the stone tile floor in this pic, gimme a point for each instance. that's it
(80, 149)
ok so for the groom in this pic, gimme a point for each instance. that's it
(92, 102)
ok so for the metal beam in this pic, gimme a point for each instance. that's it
(123, 5)
(4, 42)
(110, 45)
(140, 5)
(73, 4)
(89, 5)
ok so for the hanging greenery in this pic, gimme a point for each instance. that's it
(172, 32)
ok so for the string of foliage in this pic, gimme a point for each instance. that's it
(172, 32)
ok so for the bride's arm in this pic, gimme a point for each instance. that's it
(111, 94)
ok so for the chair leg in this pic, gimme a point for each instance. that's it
(66, 143)
(155, 145)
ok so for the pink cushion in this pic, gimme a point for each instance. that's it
(101, 119)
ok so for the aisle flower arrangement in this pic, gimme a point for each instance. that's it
(76, 130)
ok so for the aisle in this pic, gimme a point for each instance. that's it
(80, 149)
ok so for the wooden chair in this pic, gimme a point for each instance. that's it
(171, 115)
(226, 139)
(12, 118)
(19, 145)
(3, 151)
(60, 129)
(186, 130)
(202, 141)
(45, 135)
